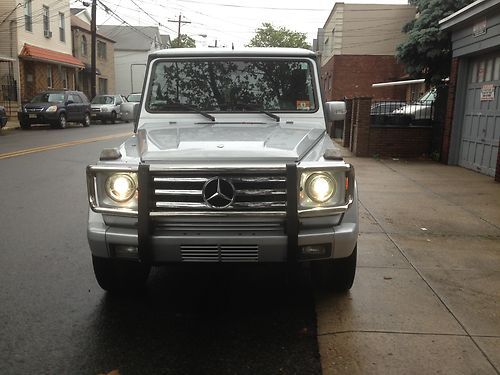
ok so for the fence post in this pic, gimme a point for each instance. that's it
(361, 146)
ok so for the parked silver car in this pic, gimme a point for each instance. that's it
(106, 108)
(127, 107)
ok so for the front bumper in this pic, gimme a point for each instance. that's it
(101, 115)
(38, 117)
(340, 233)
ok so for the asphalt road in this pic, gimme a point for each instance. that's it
(54, 318)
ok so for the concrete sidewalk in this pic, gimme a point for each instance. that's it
(426, 298)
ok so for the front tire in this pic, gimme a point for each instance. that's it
(113, 117)
(118, 276)
(86, 121)
(62, 122)
(336, 275)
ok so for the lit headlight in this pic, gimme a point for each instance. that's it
(52, 108)
(320, 187)
(121, 187)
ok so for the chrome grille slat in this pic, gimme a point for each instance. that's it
(261, 192)
(177, 192)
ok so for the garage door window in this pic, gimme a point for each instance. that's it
(485, 69)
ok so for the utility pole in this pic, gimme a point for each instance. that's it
(179, 22)
(93, 30)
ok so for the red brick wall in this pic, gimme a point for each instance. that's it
(353, 76)
(448, 121)
(402, 142)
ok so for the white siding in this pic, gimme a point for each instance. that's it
(128, 71)
(36, 36)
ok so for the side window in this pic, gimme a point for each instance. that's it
(75, 98)
(83, 97)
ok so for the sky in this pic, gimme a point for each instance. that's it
(227, 21)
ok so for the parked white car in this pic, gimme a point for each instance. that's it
(127, 107)
(422, 109)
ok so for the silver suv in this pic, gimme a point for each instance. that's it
(230, 163)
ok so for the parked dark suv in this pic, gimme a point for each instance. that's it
(56, 108)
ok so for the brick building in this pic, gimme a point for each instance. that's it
(36, 37)
(472, 127)
(105, 55)
(357, 46)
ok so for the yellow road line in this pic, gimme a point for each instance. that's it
(33, 150)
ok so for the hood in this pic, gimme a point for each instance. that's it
(39, 106)
(226, 142)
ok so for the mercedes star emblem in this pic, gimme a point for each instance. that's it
(218, 193)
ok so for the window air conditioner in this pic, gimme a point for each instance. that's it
(47, 33)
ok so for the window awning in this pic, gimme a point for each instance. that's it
(46, 55)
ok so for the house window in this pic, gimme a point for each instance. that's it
(101, 50)
(62, 30)
(103, 86)
(84, 45)
(46, 22)
(28, 24)
(49, 76)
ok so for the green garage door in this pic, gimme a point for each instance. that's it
(481, 125)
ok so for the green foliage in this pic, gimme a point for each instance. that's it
(269, 36)
(183, 42)
(427, 50)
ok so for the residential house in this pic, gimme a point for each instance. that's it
(105, 55)
(472, 126)
(357, 45)
(133, 44)
(35, 45)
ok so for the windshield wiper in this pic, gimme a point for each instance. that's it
(259, 109)
(183, 105)
(197, 110)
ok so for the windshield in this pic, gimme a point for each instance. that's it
(134, 98)
(232, 86)
(48, 97)
(104, 99)
(429, 96)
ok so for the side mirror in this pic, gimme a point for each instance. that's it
(335, 111)
(69, 102)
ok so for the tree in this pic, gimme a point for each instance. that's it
(183, 42)
(269, 36)
(427, 50)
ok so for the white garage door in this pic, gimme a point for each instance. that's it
(481, 126)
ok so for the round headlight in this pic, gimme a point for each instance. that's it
(320, 187)
(120, 187)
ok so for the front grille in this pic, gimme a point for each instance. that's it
(183, 192)
(34, 109)
(220, 253)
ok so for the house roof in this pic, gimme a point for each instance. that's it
(463, 15)
(165, 40)
(42, 54)
(136, 38)
(78, 23)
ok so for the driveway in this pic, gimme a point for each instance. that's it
(427, 290)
